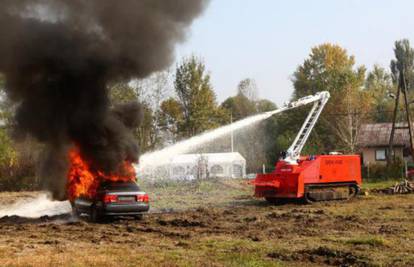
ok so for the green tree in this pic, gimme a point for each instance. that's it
(403, 64)
(402, 69)
(378, 84)
(245, 103)
(8, 153)
(330, 68)
(264, 105)
(171, 116)
(122, 92)
(255, 143)
(196, 97)
(239, 106)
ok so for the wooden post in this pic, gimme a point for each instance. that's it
(407, 112)
(394, 119)
(405, 169)
(402, 89)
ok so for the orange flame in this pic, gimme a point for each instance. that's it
(82, 181)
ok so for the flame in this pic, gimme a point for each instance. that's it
(83, 181)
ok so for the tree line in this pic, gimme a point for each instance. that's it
(181, 103)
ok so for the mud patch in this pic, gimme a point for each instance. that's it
(323, 255)
(180, 223)
(391, 230)
(299, 215)
(63, 218)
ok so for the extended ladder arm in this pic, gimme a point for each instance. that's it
(320, 99)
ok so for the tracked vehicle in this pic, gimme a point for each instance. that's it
(311, 178)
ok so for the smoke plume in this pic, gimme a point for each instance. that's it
(58, 57)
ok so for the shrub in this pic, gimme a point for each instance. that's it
(17, 164)
(383, 172)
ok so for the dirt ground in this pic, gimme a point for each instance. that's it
(218, 223)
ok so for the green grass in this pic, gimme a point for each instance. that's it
(178, 195)
(238, 252)
(379, 184)
(372, 241)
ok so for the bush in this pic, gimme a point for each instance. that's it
(17, 164)
(7, 153)
(376, 172)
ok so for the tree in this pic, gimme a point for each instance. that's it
(6, 106)
(7, 152)
(402, 72)
(239, 106)
(404, 63)
(196, 98)
(147, 131)
(154, 89)
(379, 84)
(265, 105)
(171, 116)
(353, 107)
(246, 102)
(124, 92)
(255, 143)
(402, 69)
(248, 88)
(329, 68)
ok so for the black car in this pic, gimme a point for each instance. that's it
(113, 199)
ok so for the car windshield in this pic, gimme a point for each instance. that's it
(120, 186)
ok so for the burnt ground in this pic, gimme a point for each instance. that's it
(219, 224)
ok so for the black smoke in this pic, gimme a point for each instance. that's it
(58, 57)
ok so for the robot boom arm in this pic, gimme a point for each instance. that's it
(319, 99)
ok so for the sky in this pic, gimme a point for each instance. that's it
(266, 40)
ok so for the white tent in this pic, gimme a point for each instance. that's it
(191, 166)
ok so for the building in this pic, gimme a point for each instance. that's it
(200, 166)
(373, 139)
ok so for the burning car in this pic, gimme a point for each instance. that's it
(113, 199)
(99, 194)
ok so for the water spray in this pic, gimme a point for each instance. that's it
(165, 155)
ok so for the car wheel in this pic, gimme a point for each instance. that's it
(75, 212)
(139, 217)
(94, 215)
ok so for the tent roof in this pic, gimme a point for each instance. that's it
(211, 158)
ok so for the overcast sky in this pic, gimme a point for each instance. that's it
(267, 39)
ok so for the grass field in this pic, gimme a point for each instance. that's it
(218, 223)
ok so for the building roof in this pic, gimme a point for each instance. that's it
(378, 134)
(211, 158)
